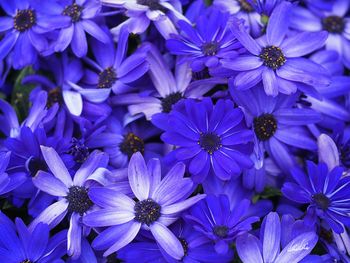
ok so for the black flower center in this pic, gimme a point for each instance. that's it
(210, 48)
(24, 20)
(273, 57)
(54, 96)
(265, 126)
(78, 150)
(170, 100)
(210, 142)
(34, 165)
(152, 4)
(220, 231)
(78, 199)
(334, 24)
(147, 211)
(321, 201)
(107, 78)
(132, 144)
(74, 11)
(245, 6)
(184, 245)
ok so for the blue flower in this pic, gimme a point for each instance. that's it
(112, 69)
(214, 218)
(196, 246)
(120, 139)
(169, 88)
(276, 124)
(276, 60)
(243, 9)
(159, 202)
(325, 192)
(333, 19)
(211, 139)
(80, 15)
(24, 27)
(73, 194)
(21, 244)
(296, 242)
(163, 13)
(206, 45)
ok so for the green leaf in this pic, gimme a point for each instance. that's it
(20, 94)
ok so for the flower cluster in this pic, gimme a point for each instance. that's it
(164, 131)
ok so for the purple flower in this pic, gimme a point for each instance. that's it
(325, 191)
(159, 202)
(214, 218)
(208, 43)
(142, 12)
(24, 27)
(211, 139)
(112, 69)
(277, 61)
(333, 20)
(276, 124)
(21, 244)
(170, 87)
(73, 198)
(80, 15)
(296, 242)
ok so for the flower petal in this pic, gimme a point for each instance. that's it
(138, 176)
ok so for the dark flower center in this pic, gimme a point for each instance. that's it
(334, 24)
(78, 150)
(54, 96)
(184, 245)
(147, 211)
(74, 11)
(321, 200)
(132, 144)
(78, 199)
(35, 164)
(245, 6)
(107, 78)
(170, 100)
(210, 48)
(273, 57)
(265, 126)
(152, 4)
(220, 231)
(24, 20)
(209, 142)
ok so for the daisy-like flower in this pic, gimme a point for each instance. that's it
(81, 14)
(73, 194)
(325, 191)
(169, 88)
(21, 244)
(159, 202)
(335, 21)
(121, 140)
(214, 218)
(275, 60)
(211, 139)
(277, 124)
(162, 13)
(296, 242)
(208, 43)
(197, 248)
(24, 26)
(112, 69)
(243, 9)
